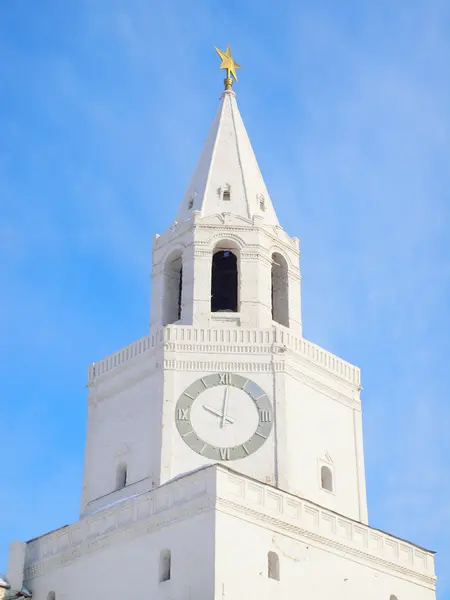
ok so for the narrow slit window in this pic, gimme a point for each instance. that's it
(262, 203)
(121, 476)
(273, 566)
(180, 293)
(326, 478)
(165, 566)
(226, 195)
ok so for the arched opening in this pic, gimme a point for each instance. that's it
(392, 597)
(326, 478)
(164, 565)
(280, 291)
(224, 282)
(51, 596)
(173, 288)
(121, 476)
(273, 566)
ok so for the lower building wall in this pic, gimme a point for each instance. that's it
(131, 569)
(305, 570)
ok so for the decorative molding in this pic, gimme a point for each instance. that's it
(302, 517)
(330, 544)
(188, 338)
(268, 230)
(300, 375)
(327, 458)
(131, 518)
(120, 534)
(125, 384)
(250, 256)
(123, 356)
(297, 373)
(218, 348)
(222, 366)
(194, 493)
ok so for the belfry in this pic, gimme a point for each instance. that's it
(224, 453)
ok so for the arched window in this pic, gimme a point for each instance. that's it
(224, 282)
(392, 597)
(164, 565)
(121, 476)
(273, 566)
(173, 288)
(51, 596)
(326, 478)
(280, 296)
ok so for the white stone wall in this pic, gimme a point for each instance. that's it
(323, 428)
(131, 569)
(307, 569)
(219, 526)
(124, 427)
(317, 420)
(321, 554)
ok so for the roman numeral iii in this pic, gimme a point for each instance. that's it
(265, 416)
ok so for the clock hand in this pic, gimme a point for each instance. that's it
(216, 412)
(223, 421)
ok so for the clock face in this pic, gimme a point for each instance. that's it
(224, 416)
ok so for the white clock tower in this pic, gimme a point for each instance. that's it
(224, 455)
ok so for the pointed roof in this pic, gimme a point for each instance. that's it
(227, 177)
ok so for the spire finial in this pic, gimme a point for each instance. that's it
(229, 64)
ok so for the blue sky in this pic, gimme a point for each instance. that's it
(104, 107)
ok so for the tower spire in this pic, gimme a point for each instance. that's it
(227, 177)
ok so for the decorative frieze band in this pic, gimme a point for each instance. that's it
(328, 543)
(122, 385)
(237, 340)
(217, 486)
(214, 366)
(298, 516)
(219, 348)
(131, 518)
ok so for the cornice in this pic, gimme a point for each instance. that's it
(220, 488)
(133, 516)
(226, 365)
(328, 390)
(123, 534)
(298, 371)
(123, 384)
(188, 338)
(268, 231)
(344, 550)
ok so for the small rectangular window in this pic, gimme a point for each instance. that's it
(164, 566)
(273, 566)
(226, 196)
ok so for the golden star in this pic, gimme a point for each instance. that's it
(228, 62)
